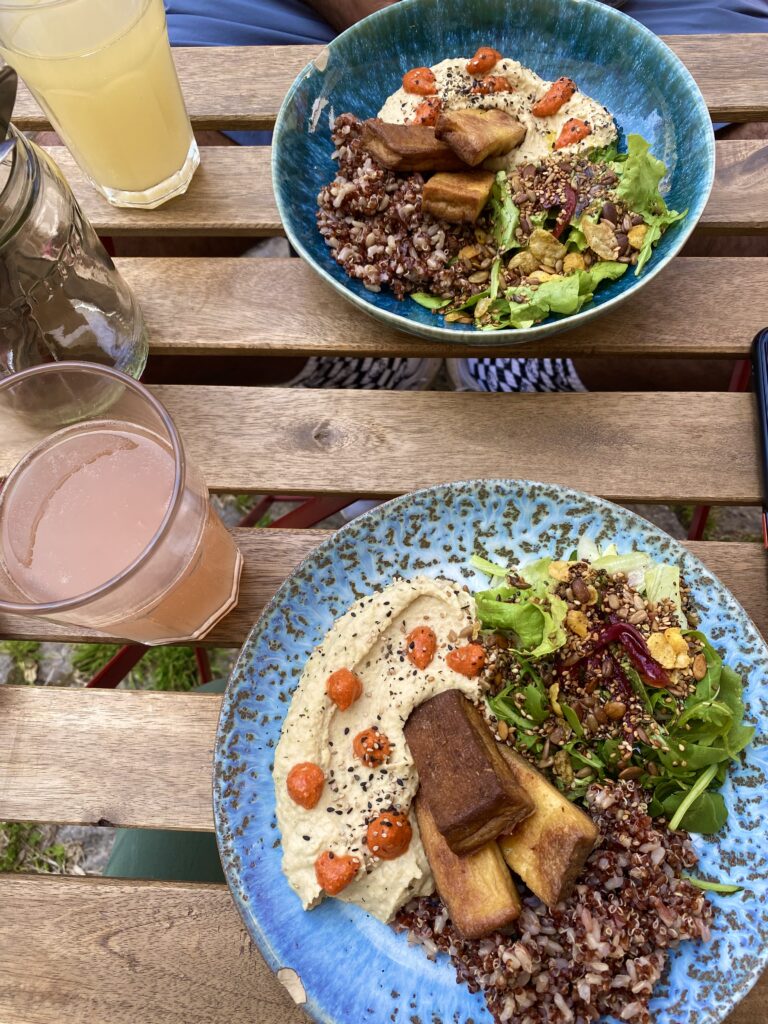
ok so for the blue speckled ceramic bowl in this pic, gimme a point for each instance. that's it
(355, 969)
(611, 56)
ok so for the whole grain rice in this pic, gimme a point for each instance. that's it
(371, 219)
(600, 951)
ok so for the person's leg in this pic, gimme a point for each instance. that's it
(166, 855)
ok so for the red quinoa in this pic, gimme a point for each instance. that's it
(600, 951)
(371, 219)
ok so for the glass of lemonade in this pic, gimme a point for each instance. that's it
(104, 521)
(102, 71)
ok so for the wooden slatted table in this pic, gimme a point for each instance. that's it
(102, 950)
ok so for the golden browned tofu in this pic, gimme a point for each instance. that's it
(471, 792)
(475, 135)
(549, 849)
(458, 198)
(478, 889)
(408, 147)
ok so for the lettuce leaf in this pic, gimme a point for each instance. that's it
(640, 176)
(535, 616)
(576, 240)
(657, 224)
(524, 306)
(505, 216)
(633, 561)
(493, 290)
(662, 582)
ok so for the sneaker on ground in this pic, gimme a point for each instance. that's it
(513, 375)
(366, 374)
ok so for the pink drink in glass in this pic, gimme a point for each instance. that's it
(93, 517)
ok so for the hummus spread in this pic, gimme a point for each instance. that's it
(454, 87)
(370, 640)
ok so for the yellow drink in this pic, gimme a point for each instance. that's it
(103, 72)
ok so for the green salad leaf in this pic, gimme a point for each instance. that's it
(632, 561)
(657, 225)
(640, 176)
(534, 615)
(524, 305)
(493, 291)
(489, 568)
(662, 582)
(429, 301)
(505, 216)
(723, 888)
(697, 745)
(576, 240)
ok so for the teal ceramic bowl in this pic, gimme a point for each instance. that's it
(611, 56)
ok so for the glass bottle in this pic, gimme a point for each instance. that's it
(61, 296)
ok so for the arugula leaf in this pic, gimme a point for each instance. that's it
(637, 684)
(723, 888)
(535, 704)
(572, 719)
(495, 273)
(707, 814)
(505, 216)
(429, 301)
(586, 760)
(689, 799)
(609, 751)
(607, 154)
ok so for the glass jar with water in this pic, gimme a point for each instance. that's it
(61, 296)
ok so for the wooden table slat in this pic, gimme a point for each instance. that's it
(152, 753)
(106, 951)
(102, 951)
(271, 555)
(196, 307)
(231, 194)
(238, 87)
(634, 446)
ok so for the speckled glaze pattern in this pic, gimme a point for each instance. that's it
(355, 969)
(612, 57)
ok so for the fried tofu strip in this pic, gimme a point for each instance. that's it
(457, 198)
(471, 793)
(475, 135)
(408, 147)
(549, 849)
(478, 889)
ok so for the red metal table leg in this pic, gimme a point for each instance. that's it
(203, 665)
(312, 511)
(118, 667)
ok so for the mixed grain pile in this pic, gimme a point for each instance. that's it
(602, 950)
